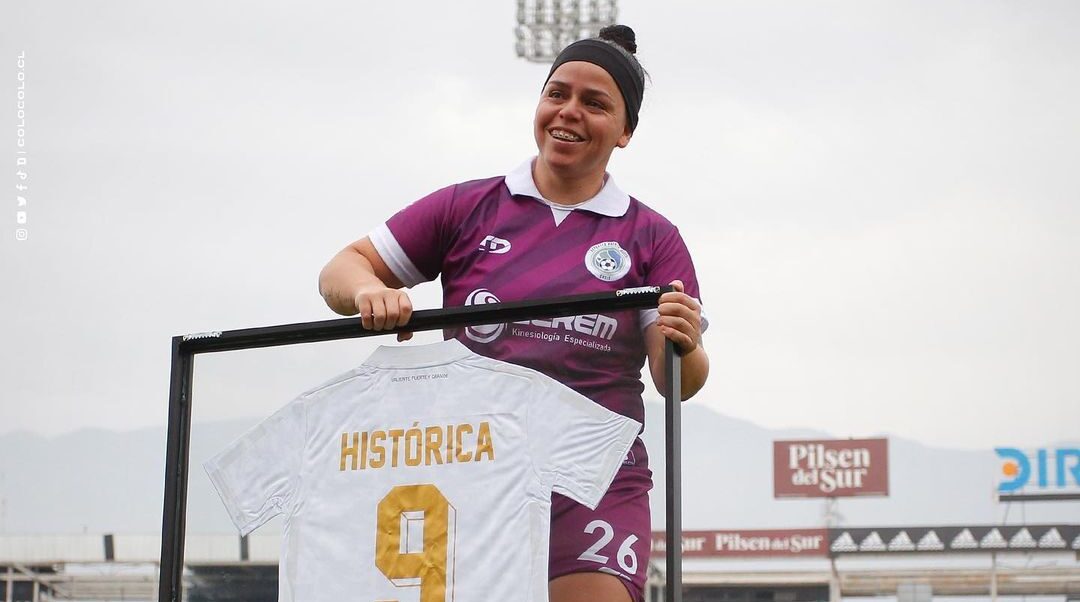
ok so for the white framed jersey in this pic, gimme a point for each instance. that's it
(423, 475)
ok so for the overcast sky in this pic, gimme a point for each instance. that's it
(882, 198)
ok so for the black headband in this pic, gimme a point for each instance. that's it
(610, 59)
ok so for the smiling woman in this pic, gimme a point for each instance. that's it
(556, 225)
(580, 119)
(579, 122)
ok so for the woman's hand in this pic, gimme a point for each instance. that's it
(680, 319)
(383, 308)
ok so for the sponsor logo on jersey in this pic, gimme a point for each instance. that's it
(495, 245)
(484, 333)
(607, 261)
(594, 325)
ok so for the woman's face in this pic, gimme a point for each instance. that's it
(580, 119)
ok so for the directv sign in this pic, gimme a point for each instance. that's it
(1039, 474)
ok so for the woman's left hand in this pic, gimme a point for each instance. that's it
(680, 319)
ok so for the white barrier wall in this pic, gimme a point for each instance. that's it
(133, 548)
(52, 548)
(264, 548)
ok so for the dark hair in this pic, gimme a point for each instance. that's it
(621, 35)
(623, 38)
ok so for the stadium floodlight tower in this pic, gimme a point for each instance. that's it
(545, 27)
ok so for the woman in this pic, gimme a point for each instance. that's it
(555, 226)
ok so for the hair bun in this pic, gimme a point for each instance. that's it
(621, 35)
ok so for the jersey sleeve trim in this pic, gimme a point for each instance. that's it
(395, 257)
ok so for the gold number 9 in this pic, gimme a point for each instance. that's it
(428, 567)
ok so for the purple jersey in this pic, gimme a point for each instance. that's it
(498, 239)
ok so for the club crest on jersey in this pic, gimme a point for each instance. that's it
(483, 333)
(607, 261)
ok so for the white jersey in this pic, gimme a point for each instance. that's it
(423, 475)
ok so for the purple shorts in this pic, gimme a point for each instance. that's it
(616, 537)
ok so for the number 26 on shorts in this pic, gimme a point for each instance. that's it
(626, 557)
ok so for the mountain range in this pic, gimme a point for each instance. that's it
(102, 481)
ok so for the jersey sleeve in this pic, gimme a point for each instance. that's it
(671, 261)
(576, 444)
(257, 475)
(414, 240)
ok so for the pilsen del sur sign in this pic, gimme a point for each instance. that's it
(831, 468)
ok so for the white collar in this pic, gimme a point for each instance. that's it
(416, 356)
(610, 201)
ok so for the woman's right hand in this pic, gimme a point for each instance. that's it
(383, 308)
